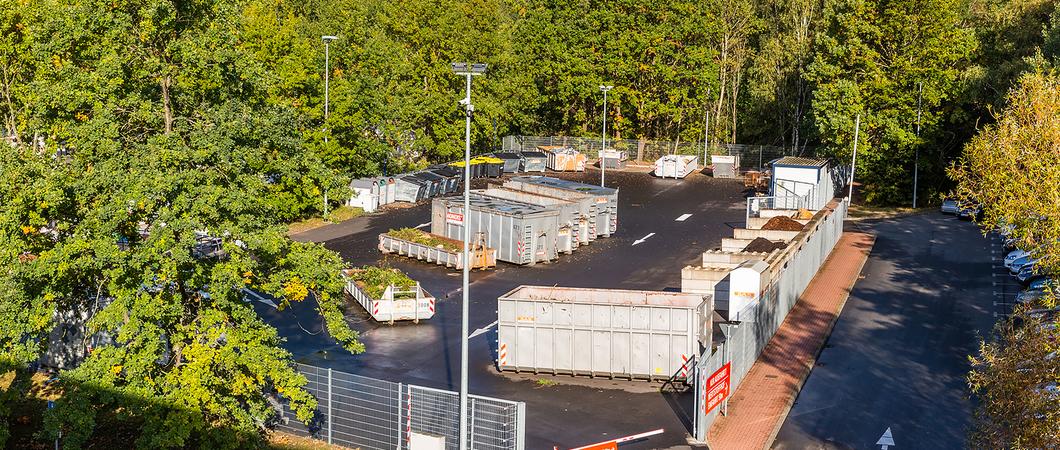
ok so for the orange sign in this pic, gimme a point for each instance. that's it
(609, 445)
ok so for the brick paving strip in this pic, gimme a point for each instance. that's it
(759, 406)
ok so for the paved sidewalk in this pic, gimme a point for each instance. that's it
(758, 407)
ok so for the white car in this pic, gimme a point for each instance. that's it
(1012, 256)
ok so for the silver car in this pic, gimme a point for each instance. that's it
(950, 206)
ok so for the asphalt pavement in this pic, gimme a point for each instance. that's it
(573, 411)
(898, 355)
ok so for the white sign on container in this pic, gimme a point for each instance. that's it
(454, 218)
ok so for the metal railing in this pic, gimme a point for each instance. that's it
(751, 156)
(367, 413)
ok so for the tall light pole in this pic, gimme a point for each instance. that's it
(327, 74)
(854, 159)
(916, 161)
(466, 70)
(603, 135)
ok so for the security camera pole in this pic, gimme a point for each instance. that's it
(603, 136)
(467, 70)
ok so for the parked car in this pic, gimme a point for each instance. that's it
(1040, 283)
(970, 211)
(1020, 262)
(949, 206)
(1027, 273)
(1030, 296)
(1013, 256)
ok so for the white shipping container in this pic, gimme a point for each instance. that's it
(602, 332)
(395, 304)
(676, 166)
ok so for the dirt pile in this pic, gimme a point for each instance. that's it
(763, 245)
(781, 223)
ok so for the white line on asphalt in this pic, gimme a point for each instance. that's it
(643, 238)
(682, 218)
(482, 330)
(255, 296)
(422, 225)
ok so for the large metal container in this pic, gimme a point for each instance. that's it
(451, 175)
(534, 161)
(601, 332)
(676, 166)
(396, 304)
(571, 220)
(491, 167)
(512, 161)
(563, 159)
(603, 200)
(410, 189)
(435, 184)
(481, 257)
(613, 159)
(522, 233)
(364, 194)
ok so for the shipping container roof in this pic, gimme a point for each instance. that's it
(479, 201)
(568, 185)
(605, 296)
(800, 161)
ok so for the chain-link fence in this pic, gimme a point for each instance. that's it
(367, 413)
(751, 156)
(745, 341)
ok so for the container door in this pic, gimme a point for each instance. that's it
(524, 245)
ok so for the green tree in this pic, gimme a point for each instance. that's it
(871, 58)
(156, 199)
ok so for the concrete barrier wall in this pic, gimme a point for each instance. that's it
(773, 235)
(734, 245)
(791, 270)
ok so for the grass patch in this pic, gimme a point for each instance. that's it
(339, 215)
(545, 382)
(284, 441)
(424, 238)
(882, 212)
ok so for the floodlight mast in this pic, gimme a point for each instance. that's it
(466, 70)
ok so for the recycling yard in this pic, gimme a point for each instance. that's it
(663, 225)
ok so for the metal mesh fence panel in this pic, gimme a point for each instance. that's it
(360, 412)
(751, 156)
(746, 341)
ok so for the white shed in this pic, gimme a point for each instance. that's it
(797, 177)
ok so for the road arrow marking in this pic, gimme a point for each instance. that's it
(422, 225)
(482, 330)
(682, 218)
(886, 440)
(638, 241)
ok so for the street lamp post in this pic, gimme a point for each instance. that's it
(916, 160)
(466, 70)
(327, 56)
(603, 135)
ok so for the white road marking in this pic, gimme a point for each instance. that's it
(422, 225)
(255, 296)
(682, 218)
(886, 440)
(482, 330)
(638, 241)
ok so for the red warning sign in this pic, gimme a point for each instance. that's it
(716, 389)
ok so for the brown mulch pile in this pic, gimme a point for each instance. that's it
(783, 224)
(763, 245)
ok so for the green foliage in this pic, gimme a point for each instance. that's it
(421, 237)
(1011, 167)
(374, 280)
(153, 196)
(871, 60)
(1015, 378)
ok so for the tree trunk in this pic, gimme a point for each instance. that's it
(167, 109)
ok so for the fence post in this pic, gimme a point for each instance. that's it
(398, 427)
(330, 419)
(640, 150)
(471, 427)
(520, 426)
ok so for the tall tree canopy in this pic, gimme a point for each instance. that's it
(145, 189)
